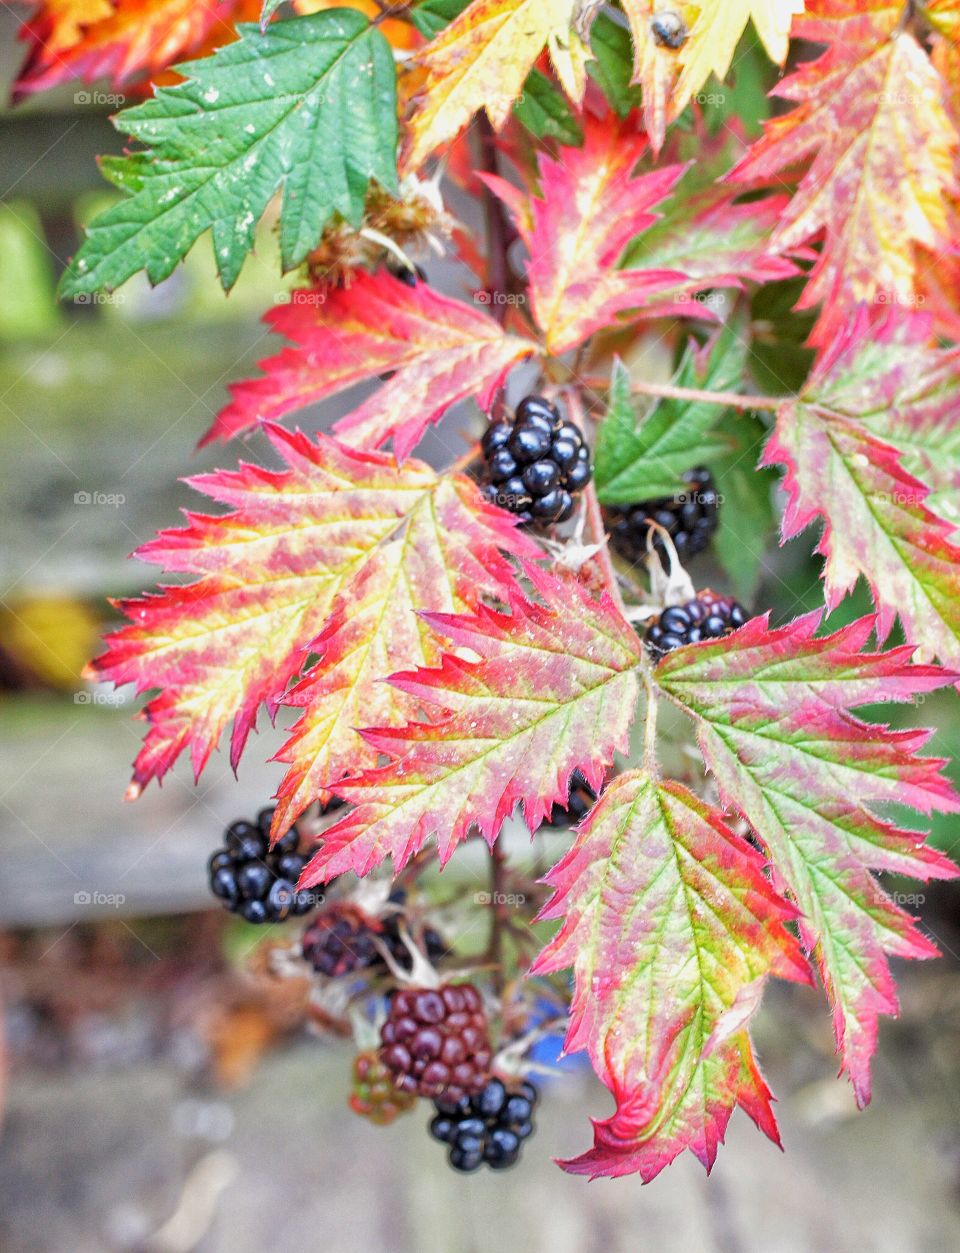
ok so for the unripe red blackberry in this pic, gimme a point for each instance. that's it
(374, 1094)
(689, 518)
(535, 463)
(436, 1042)
(708, 617)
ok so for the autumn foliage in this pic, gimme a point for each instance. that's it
(440, 668)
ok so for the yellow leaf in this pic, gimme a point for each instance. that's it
(481, 60)
(716, 32)
(655, 66)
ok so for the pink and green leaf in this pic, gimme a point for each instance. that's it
(872, 413)
(671, 929)
(773, 711)
(553, 691)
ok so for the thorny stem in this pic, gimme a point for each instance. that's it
(498, 915)
(670, 391)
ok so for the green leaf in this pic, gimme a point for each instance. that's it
(544, 111)
(309, 106)
(641, 460)
(431, 16)
(745, 525)
(613, 68)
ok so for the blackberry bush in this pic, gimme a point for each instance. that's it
(446, 666)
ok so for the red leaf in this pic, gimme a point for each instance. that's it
(773, 710)
(593, 214)
(553, 691)
(295, 548)
(441, 349)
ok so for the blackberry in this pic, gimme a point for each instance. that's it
(404, 273)
(343, 939)
(669, 29)
(689, 518)
(486, 1128)
(435, 1042)
(535, 463)
(373, 1095)
(708, 617)
(579, 803)
(258, 882)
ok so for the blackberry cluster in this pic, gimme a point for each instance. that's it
(341, 940)
(708, 617)
(689, 518)
(436, 1043)
(579, 803)
(535, 463)
(255, 881)
(487, 1128)
(373, 1095)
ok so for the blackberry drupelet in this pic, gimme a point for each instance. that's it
(255, 881)
(342, 939)
(689, 518)
(488, 1128)
(536, 463)
(708, 617)
(436, 1042)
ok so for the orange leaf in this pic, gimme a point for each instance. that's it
(121, 40)
(481, 60)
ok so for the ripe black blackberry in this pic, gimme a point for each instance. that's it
(708, 617)
(669, 29)
(689, 518)
(258, 882)
(487, 1128)
(404, 272)
(343, 939)
(535, 463)
(579, 803)
(436, 1042)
